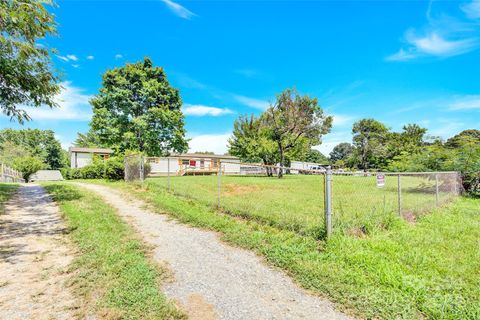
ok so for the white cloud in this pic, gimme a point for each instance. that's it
(72, 57)
(73, 105)
(210, 142)
(76, 66)
(342, 120)
(332, 139)
(201, 110)
(179, 10)
(90, 57)
(62, 58)
(443, 36)
(472, 9)
(433, 44)
(118, 56)
(445, 128)
(469, 102)
(251, 102)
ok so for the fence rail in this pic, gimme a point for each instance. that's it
(8, 174)
(312, 202)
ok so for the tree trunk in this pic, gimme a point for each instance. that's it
(282, 160)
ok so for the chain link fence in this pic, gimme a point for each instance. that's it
(8, 174)
(312, 202)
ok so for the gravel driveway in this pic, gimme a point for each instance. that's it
(34, 255)
(213, 280)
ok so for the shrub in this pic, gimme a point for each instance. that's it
(28, 165)
(94, 170)
(114, 168)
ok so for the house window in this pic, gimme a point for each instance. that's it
(185, 162)
(193, 163)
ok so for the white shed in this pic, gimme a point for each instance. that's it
(81, 157)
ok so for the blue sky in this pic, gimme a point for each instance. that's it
(397, 61)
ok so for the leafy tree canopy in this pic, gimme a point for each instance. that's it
(41, 144)
(472, 135)
(295, 121)
(26, 76)
(341, 151)
(316, 156)
(369, 137)
(137, 109)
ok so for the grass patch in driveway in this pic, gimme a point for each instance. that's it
(112, 274)
(427, 270)
(6, 191)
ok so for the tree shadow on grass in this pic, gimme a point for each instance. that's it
(63, 193)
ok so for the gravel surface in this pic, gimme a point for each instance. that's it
(213, 280)
(34, 255)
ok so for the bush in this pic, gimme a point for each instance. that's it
(114, 168)
(28, 166)
(95, 170)
(111, 169)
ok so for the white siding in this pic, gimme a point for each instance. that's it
(80, 160)
(161, 166)
(233, 166)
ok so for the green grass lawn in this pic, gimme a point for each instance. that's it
(113, 277)
(296, 202)
(6, 190)
(430, 269)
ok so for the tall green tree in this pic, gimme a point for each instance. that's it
(459, 139)
(316, 156)
(137, 109)
(251, 143)
(409, 141)
(40, 144)
(341, 152)
(87, 140)
(369, 138)
(26, 75)
(295, 121)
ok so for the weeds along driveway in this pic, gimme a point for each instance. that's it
(212, 280)
(34, 255)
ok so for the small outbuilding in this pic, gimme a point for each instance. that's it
(81, 157)
(46, 175)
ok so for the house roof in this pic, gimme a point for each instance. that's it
(90, 150)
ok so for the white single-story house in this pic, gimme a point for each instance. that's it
(80, 157)
(193, 164)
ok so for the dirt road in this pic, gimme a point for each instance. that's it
(34, 254)
(213, 280)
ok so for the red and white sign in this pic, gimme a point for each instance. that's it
(380, 180)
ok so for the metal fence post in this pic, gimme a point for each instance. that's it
(219, 182)
(328, 202)
(168, 169)
(399, 195)
(436, 190)
(142, 169)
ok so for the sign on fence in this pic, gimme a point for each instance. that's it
(380, 180)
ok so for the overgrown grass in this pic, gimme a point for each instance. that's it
(427, 270)
(6, 190)
(296, 202)
(112, 275)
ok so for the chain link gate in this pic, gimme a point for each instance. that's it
(134, 168)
